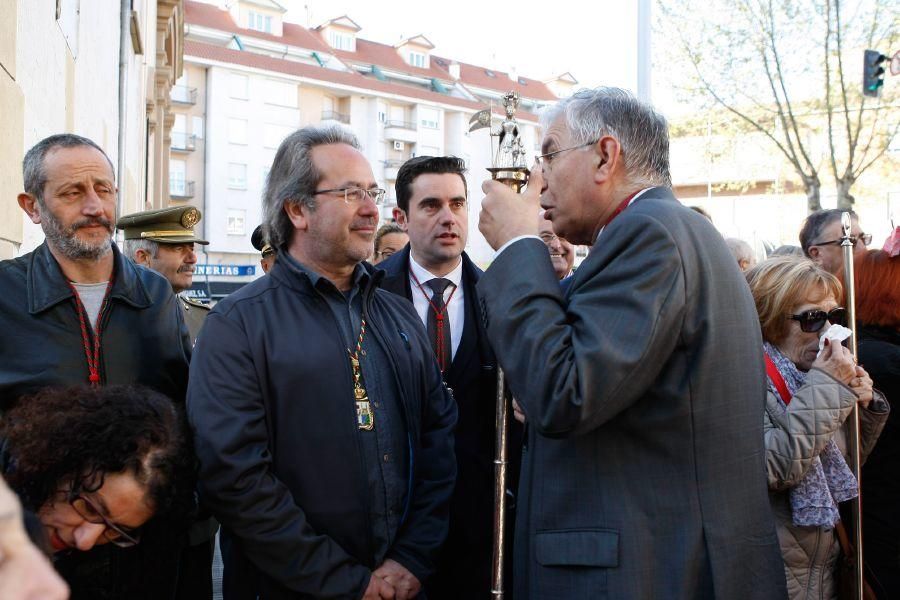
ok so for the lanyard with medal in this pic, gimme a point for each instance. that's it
(365, 417)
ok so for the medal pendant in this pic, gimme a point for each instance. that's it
(365, 418)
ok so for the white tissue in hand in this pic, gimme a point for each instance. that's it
(834, 334)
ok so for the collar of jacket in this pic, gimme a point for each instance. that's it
(47, 286)
(286, 271)
(397, 266)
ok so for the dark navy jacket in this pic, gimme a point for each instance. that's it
(144, 341)
(464, 568)
(144, 337)
(281, 463)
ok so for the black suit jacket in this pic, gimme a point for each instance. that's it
(464, 568)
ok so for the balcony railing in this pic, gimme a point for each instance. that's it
(182, 94)
(401, 125)
(392, 169)
(179, 188)
(183, 142)
(330, 115)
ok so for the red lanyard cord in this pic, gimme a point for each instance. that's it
(439, 315)
(92, 354)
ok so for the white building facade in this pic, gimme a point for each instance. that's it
(252, 79)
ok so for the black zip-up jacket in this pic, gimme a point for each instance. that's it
(144, 339)
(271, 403)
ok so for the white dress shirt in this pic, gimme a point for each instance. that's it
(455, 307)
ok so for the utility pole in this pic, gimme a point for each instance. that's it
(644, 62)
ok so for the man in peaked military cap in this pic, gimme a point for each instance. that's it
(262, 246)
(163, 240)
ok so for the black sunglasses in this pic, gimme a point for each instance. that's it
(813, 320)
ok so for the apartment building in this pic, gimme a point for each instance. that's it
(250, 78)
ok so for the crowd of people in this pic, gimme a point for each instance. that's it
(682, 411)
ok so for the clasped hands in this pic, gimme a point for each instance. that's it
(392, 581)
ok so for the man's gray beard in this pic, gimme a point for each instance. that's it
(64, 240)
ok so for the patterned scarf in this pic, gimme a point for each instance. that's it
(829, 480)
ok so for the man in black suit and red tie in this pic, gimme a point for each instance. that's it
(435, 274)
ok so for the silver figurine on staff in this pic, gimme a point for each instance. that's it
(511, 170)
(856, 503)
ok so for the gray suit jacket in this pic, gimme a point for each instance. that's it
(644, 473)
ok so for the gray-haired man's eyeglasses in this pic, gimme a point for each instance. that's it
(355, 195)
(545, 159)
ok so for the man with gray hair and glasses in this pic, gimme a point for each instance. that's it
(326, 453)
(76, 311)
(642, 384)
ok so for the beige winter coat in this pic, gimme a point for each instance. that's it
(793, 438)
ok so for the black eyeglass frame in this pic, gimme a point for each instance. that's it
(865, 238)
(113, 533)
(812, 321)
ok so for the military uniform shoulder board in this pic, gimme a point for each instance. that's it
(192, 303)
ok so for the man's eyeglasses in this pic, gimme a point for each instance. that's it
(865, 238)
(549, 238)
(814, 320)
(115, 534)
(545, 159)
(355, 195)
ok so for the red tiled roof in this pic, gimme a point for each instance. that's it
(387, 57)
(207, 15)
(370, 53)
(478, 77)
(328, 76)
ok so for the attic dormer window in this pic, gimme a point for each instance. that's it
(489, 73)
(259, 22)
(418, 59)
(340, 40)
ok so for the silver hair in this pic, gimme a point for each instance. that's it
(293, 177)
(33, 173)
(740, 249)
(642, 133)
(131, 247)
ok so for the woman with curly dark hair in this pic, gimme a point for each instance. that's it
(96, 464)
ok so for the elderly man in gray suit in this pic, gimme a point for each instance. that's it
(643, 385)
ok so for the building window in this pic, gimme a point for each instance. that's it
(341, 41)
(418, 59)
(237, 131)
(280, 93)
(237, 176)
(197, 127)
(428, 118)
(235, 224)
(259, 22)
(177, 178)
(237, 86)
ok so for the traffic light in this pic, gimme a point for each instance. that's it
(873, 72)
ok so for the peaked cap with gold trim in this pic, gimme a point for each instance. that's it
(174, 225)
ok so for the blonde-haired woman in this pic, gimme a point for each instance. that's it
(810, 395)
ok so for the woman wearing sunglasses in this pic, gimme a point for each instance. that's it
(810, 395)
(95, 464)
